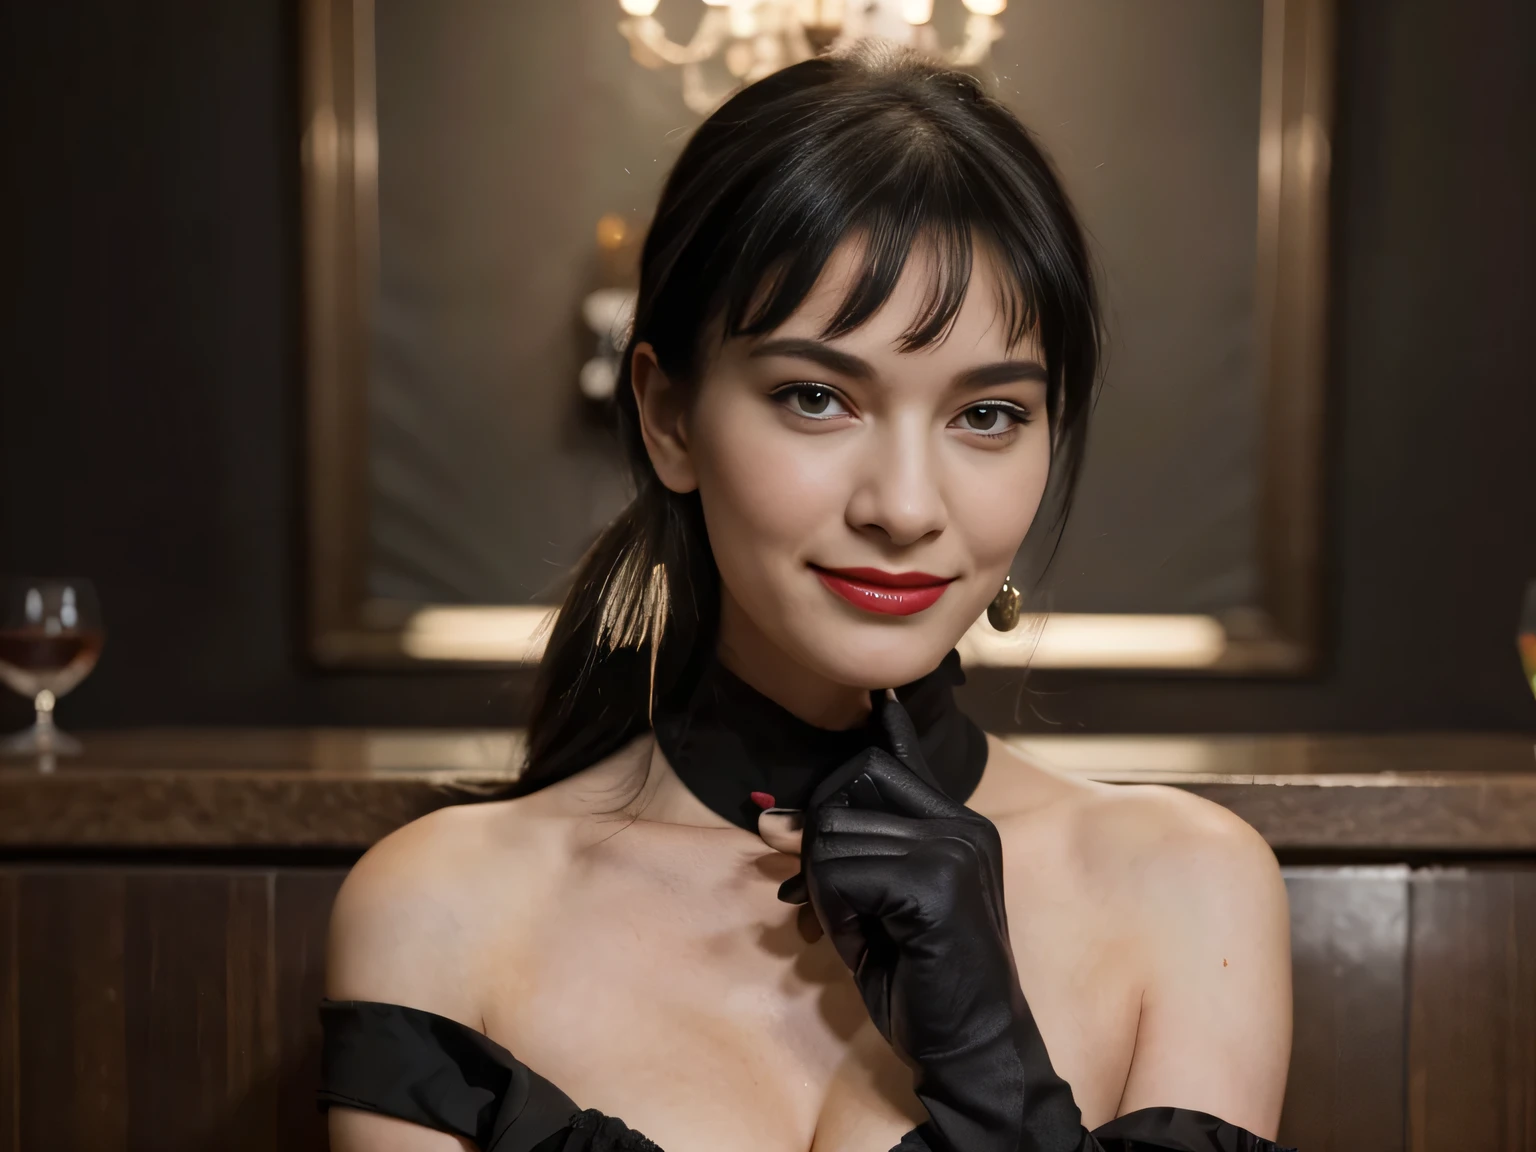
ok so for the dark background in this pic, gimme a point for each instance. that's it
(151, 373)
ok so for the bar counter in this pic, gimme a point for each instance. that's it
(344, 789)
(164, 902)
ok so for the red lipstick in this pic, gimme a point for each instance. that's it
(889, 593)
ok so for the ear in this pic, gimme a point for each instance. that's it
(662, 407)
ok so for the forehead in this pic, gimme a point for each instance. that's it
(980, 328)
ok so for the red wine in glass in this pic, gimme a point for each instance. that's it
(50, 637)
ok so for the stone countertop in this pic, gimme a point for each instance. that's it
(344, 789)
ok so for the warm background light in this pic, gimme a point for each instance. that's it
(638, 7)
(985, 7)
(611, 231)
(917, 11)
(1060, 640)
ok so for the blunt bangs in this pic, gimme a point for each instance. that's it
(887, 150)
(889, 214)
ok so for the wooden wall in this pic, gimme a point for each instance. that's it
(1415, 1009)
(151, 1008)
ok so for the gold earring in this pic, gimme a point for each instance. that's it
(1003, 612)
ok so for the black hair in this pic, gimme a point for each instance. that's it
(877, 143)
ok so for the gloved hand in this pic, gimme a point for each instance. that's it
(909, 886)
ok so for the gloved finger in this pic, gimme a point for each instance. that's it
(922, 855)
(793, 890)
(902, 735)
(856, 893)
(830, 821)
(874, 844)
(847, 785)
(841, 921)
(902, 791)
(836, 782)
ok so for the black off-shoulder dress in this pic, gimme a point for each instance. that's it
(436, 1072)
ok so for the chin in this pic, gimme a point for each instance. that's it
(875, 656)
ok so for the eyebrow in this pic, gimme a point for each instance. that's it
(843, 363)
(846, 364)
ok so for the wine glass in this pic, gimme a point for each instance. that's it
(1527, 639)
(50, 636)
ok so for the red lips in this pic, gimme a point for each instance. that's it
(889, 593)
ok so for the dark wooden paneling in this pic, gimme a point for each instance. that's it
(175, 989)
(1472, 1052)
(10, 1007)
(171, 1008)
(303, 909)
(162, 1008)
(1349, 948)
(70, 971)
(251, 1026)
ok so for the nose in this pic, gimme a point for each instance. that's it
(899, 495)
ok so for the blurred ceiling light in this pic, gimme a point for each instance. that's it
(737, 42)
(516, 635)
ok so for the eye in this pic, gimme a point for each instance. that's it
(813, 401)
(991, 419)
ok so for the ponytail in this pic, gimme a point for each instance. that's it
(643, 605)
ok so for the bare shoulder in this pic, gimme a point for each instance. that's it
(1164, 850)
(404, 923)
(420, 909)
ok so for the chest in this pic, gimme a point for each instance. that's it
(666, 984)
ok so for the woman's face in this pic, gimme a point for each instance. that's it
(863, 503)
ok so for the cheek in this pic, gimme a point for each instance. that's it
(767, 491)
(993, 504)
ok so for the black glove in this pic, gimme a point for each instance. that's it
(909, 886)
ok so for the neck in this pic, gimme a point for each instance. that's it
(747, 652)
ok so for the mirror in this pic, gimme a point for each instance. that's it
(478, 175)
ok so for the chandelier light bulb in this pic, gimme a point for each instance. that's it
(917, 11)
(744, 23)
(748, 39)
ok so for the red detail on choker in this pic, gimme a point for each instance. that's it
(762, 799)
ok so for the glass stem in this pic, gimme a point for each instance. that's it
(44, 703)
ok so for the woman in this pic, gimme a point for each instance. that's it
(862, 361)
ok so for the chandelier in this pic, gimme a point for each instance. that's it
(739, 41)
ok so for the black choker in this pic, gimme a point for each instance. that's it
(732, 741)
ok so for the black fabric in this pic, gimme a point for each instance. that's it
(1178, 1130)
(1150, 1130)
(731, 741)
(438, 1073)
